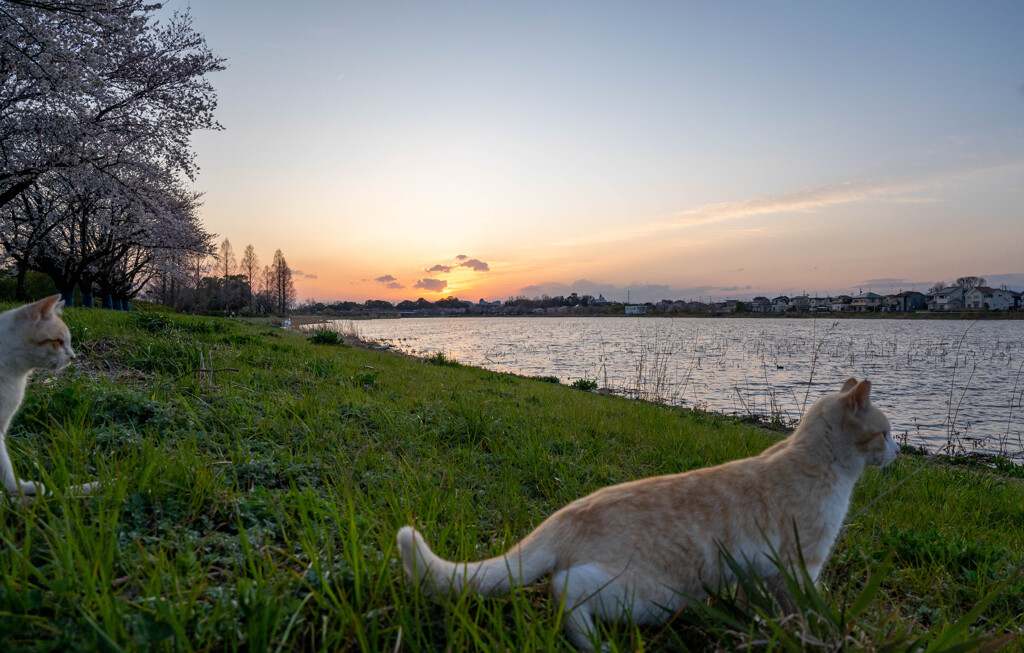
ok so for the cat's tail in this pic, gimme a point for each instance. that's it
(522, 564)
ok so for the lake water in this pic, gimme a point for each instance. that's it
(953, 386)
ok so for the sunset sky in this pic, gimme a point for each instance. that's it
(488, 149)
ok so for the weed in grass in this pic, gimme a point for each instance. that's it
(366, 378)
(153, 323)
(546, 379)
(440, 359)
(240, 339)
(584, 384)
(325, 337)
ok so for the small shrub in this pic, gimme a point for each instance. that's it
(152, 322)
(546, 379)
(440, 359)
(325, 337)
(366, 378)
(584, 384)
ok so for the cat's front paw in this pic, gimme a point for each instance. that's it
(30, 489)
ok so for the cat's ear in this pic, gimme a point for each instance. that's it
(51, 306)
(849, 383)
(44, 309)
(858, 397)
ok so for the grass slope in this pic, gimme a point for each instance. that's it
(255, 508)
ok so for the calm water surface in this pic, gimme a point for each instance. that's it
(946, 385)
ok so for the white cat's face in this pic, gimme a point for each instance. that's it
(875, 441)
(860, 428)
(51, 344)
(36, 337)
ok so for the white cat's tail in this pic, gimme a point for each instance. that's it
(522, 564)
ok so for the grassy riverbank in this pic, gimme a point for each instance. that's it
(254, 506)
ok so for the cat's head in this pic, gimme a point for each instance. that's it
(36, 336)
(857, 427)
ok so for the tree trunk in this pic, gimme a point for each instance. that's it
(21, 287)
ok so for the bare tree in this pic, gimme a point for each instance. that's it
(227, 264)
(967, 283)
(249, 267)
(938, 286)
(263, 301)
(283, 288)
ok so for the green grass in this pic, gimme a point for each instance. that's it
(254, 507)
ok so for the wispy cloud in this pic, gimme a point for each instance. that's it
(805, 200)
(1011, 280)
(387, 278)
(802, 200)
(440, 268)
(303, 275)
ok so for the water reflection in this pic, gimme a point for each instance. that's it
(946, 385)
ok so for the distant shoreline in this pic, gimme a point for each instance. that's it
(307, 318)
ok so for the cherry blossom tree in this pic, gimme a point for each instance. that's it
(98, 101)
(85, 228)
(95, 83)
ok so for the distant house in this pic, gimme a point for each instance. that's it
(947, 299)
(638, 309)
(780, 304)
(905, 302)
(818, 303)
(866, 302)
(840, 303)
(760, 305)
(992, 299)
(600, 301)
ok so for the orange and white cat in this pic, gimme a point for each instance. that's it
(641, 550)
(32, 336)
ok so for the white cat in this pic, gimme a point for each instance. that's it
(641, 550)
(31, 337)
